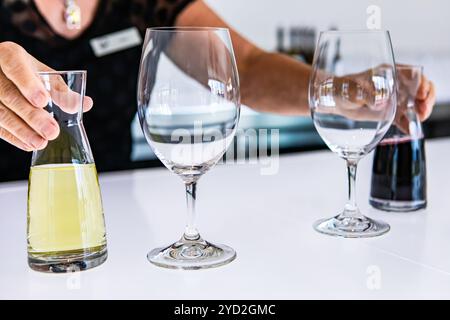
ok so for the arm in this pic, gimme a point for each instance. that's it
(266, 78)
(274, 82)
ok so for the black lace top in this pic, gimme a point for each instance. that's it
(111, 80)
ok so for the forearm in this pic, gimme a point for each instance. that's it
(273, 82)
(269, 82)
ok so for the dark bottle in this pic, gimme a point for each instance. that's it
(399, 178)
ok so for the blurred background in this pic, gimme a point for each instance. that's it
(419, 29)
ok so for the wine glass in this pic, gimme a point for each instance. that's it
(352, 97)
(188, 107)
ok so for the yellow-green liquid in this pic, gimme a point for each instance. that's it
(65, 212)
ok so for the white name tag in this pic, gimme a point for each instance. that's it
(116, 41)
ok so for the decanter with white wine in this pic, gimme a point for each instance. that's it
(65, 225)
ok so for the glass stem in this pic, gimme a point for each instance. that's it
(191, 232)
(351, 208)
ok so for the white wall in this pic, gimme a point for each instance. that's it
(420, 25)
(420, 29)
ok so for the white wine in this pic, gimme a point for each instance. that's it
(65, 215)
(65, 225)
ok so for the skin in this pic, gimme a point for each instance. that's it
(270, 82)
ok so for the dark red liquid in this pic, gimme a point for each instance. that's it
(399, 171)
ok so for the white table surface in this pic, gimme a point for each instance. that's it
(266, 218)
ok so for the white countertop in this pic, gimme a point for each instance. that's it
(267, 219)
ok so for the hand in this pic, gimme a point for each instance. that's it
(416, 90)
(23, 121)
(354, 95)
(425, 99)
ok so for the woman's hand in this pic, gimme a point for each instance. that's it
(413, 89)
(23, 121)
(355, 95)
(425, 99)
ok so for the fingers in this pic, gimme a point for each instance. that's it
(425, 106)
(421, 88)
(23, 96)
(88, 103)
(401, 121)
(58, 85)
(424, 88)
(16, 65)
(349, 92)
(61, 95)
(64, 97)
(9, 137)
(38, 119)
(13, 126)
(39, 65)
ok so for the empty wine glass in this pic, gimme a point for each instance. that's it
(188, 106)
(352, 97)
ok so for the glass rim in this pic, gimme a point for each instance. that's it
(354, 31)
(62, 72)
(409, 66)
(186, 29)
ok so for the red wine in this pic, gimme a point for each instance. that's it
(399, 175)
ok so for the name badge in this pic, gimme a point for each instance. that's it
(116, 41)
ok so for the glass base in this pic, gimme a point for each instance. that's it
(397, 206)
(192, 255)
(351, 227)
(71, 261)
